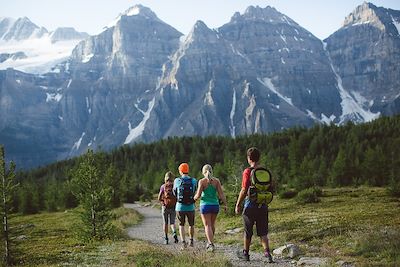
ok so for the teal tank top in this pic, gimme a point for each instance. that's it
(209, 196)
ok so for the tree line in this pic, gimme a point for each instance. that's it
(299, 158)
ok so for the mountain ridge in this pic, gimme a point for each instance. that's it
(141, 80)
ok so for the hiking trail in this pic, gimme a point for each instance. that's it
(150, 229)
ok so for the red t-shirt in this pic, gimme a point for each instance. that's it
(246, 178)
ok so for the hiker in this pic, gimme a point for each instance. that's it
(184, 189)
(168, 203)
(253, 212)
(209, 192)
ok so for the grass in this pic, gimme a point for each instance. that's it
(360, 225)
(48, 239)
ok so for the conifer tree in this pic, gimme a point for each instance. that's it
(94, 195)
(7, 187)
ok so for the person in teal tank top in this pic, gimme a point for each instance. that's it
(209, 191)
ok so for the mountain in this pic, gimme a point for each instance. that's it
(27, 47)
(141, 80)
(19, 29)
(365, 53)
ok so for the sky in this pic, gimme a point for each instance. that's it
(320, 17)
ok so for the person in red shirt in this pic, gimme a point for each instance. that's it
(252, 213)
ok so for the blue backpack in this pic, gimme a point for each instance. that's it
(185, 191)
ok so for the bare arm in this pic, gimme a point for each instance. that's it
(200, 189)
(160, 196)
(241, 197)
(221, 194)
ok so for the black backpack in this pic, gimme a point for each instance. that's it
(185, 191)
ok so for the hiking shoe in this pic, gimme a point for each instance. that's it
(176, 239)
(166, 241)
(210, 247)
(268, 256)
(191, 243)
(184, 245)
(243, 255)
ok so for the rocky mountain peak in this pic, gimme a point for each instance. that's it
(22, 29)
(200, 29)
(386, 20)
(139, 10)
(67, 33)
(364, 14)
(268, 14)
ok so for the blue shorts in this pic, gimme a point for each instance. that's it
(204, 209)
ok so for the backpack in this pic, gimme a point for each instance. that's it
(185, 191)
(260, 190)
(169, 199)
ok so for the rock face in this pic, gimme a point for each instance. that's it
(66, 34)
(140, 80)
(365, 54)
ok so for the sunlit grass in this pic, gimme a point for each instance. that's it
(336, 227)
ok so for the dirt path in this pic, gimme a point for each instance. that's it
(150, 229)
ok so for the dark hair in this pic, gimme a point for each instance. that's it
(254, 154)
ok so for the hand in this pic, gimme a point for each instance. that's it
(237, 209)
(226, 208)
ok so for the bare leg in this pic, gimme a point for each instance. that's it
(182, 232)
(166, 230)
(173, 228)
(264, 242)
(213, 220)
(206, 218)
(246, 243)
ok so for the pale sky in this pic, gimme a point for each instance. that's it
(320, 17)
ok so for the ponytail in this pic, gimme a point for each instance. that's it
(207, 172)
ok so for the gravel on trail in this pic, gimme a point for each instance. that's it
(150, 229)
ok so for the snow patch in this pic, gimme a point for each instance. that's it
(208, 100)
(139, 129)
(283, 38)
(267, 82)
(232, 115)
(350, 108)
(312, 115)
(396, 24)
(42, 54)
(360, 23)
(86, 58)
(327, 120)
(53, 97)
(78, 143)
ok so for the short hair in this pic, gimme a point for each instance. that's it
(253, 154)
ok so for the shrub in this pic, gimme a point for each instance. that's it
(309, 195)
(291, 193)
(394, 188)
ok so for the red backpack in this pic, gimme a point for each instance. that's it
(169, 197)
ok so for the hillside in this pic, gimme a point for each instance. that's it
(354, 226)
(299, 158)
